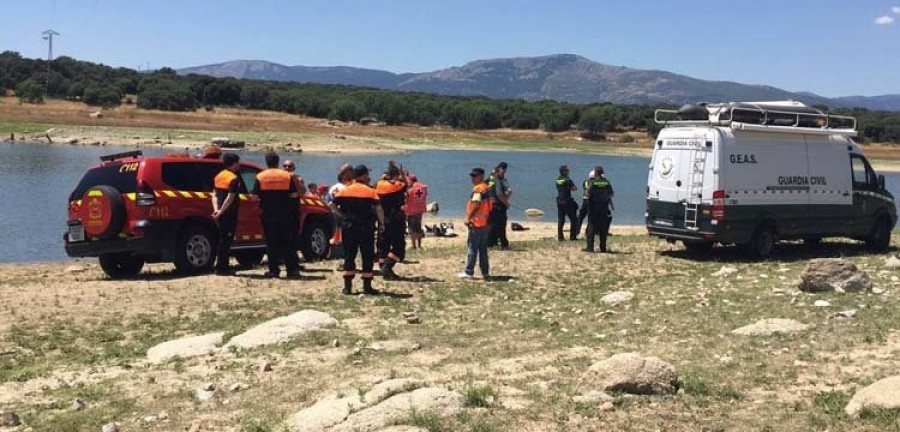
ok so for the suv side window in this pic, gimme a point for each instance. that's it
(249, 176)
(190, 176)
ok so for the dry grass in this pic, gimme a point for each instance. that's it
(515, 349)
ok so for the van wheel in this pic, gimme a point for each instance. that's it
(120, 266)
(249, 258)
(195, 250)
(698, 247)
(762, 242)
(880, 238)
(314, 241)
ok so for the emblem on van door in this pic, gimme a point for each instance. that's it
(666, 168)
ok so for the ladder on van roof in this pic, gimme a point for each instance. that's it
(695, 188)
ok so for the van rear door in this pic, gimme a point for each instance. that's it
(669, 183)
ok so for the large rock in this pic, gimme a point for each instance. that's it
(632, 373)
(884, 394)
(771, 326)
(186, 347)
(324, 414)
(396, 409)
(617, 298)
(833, 274)
(282, 329)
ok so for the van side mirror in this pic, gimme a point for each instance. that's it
(881, 181)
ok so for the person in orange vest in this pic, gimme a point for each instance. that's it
(359, 209)
(391, 190)
(478, 212)
(277, 191)
(416, 204)
(228, 184)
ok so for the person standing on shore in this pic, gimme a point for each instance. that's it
(359, 209)
(344, 179)
(583, 211)
(566, 205)
(478, 212)
(391, 191)
(227, 184)
(416, 204)
(277, 192)
(500, 194)
(600, 196)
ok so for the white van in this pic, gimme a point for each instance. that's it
(753, 173)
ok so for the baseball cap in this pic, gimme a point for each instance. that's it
(360, 170)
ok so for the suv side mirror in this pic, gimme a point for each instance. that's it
(881, 181)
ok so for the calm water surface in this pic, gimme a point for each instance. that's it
(36, 181)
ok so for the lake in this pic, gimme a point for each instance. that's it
(38, 178)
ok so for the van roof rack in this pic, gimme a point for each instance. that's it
(772, 116)
(125, 155)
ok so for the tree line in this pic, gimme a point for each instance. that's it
(163, 89)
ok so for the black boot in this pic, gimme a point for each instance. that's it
(387, 270)
(367, 287)
(348, 286)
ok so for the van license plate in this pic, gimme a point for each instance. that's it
(76, 233)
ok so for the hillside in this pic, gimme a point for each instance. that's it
(564, 77)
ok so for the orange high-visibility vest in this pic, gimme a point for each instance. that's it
(481, 216)
(224, 179)
(274, 179)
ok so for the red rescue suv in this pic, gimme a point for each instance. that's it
(131, 209)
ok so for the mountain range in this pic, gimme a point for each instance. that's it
(561, 77)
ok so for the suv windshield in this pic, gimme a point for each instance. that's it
(125, 181)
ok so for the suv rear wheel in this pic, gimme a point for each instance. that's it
(195, 250)
(121, 266)
(314, 241)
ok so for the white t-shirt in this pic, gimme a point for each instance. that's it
(333, 191)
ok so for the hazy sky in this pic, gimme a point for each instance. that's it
(831, 47)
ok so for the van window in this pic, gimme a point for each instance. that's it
(125, 181)
(189, 176)
(862, 172)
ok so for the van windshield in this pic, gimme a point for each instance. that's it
(125, 181)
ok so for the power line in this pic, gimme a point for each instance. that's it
(48, 36)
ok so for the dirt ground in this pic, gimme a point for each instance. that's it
(515, 347)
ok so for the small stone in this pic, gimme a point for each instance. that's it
(845, 315)
(149, 419)
(878, 290)
(892, 262)
(111, 427)
(413, 319)
(75, 268)
(607, 407)
(209, 387)
(725, 271)
(204, 395)
(9, 419)
(416, 346)
(335, 343)
(357, 350)
(78, 405)
(821, 303)
(617, 298)
(265, 367)
(236, 387)
(593, 397)
(196, 427)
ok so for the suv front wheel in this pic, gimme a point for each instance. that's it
(195, 251)
(121, 266)
(314, 241)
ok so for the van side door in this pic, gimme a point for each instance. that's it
(865, 185)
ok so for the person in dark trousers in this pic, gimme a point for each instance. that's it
(583, 211)
(566, 207)
(277, 191)
(359, 208)
(478, 213)
(300, 185)
(500, 193)
(228, 185)
(600, 194)
(391, 190)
